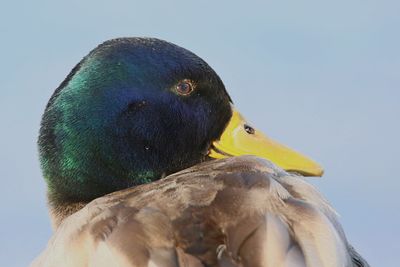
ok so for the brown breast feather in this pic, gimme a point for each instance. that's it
(234, 212)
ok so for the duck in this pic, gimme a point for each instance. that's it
(148, 163)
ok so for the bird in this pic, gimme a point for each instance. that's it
(148, 163)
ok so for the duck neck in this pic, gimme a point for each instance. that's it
(62, 204)
(60, 211)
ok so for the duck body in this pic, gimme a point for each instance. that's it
(148, 164)
(241, 211)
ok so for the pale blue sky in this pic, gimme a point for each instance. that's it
(322, 77)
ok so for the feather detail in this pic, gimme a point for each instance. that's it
(240, 211)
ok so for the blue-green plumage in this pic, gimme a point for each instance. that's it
(117, 120)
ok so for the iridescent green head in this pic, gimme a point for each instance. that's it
(131, 111)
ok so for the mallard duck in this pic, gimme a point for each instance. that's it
(148, 163)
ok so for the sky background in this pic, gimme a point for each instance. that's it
(322, 77)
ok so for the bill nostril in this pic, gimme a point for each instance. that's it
(249, 129)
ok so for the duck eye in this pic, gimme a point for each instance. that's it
(249, 129)
(184, 87)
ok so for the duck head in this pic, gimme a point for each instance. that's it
(137, 109)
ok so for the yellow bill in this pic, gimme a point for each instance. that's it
(241, 139)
